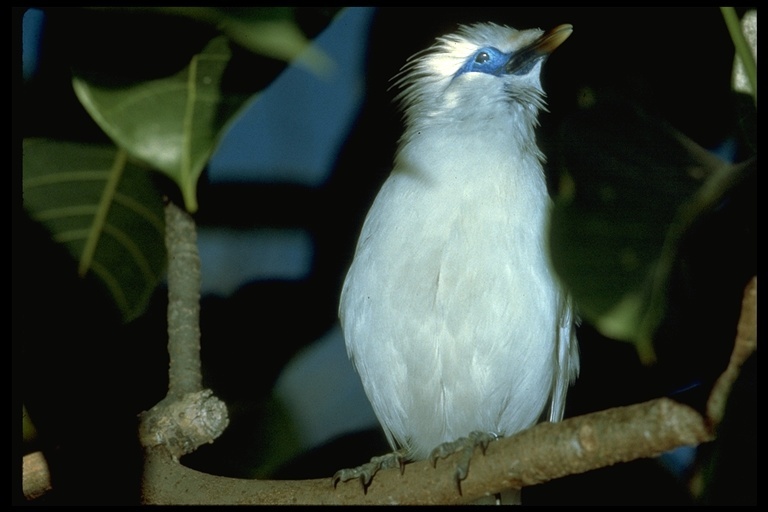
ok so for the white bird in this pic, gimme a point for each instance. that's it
(451, 312)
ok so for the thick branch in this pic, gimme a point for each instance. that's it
(542, 453)
(184, 424)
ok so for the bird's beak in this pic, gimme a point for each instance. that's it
(523, 60)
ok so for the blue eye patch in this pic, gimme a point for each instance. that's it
(488, 60)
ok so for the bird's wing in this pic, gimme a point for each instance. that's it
(567, 359)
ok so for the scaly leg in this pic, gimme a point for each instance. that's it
(365, 472)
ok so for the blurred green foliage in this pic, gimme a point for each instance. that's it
(163, 84)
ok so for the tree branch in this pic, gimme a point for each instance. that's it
(184, 375)
(744, 346)
(542, 453)
(188, 416)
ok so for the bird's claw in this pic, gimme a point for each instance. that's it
(465, 446)
(365, 472)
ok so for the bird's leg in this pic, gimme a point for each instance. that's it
(365, 472)
(465, 446)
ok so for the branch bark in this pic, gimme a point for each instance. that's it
(542, 453)
(184, 375)
(745, 345)
(188, 416)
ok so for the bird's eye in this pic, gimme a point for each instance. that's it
(482, 58)
(487, 60)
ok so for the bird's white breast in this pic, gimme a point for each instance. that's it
(449, 310)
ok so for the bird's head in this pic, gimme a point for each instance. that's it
(479, 71)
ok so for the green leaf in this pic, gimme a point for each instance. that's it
(268, 31)
(104, 209)
(278, 39)
(636, 188)
(174, 123)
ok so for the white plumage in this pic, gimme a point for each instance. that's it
(451, 313)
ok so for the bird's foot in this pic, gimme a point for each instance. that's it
(365, 472)
(465, 446)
